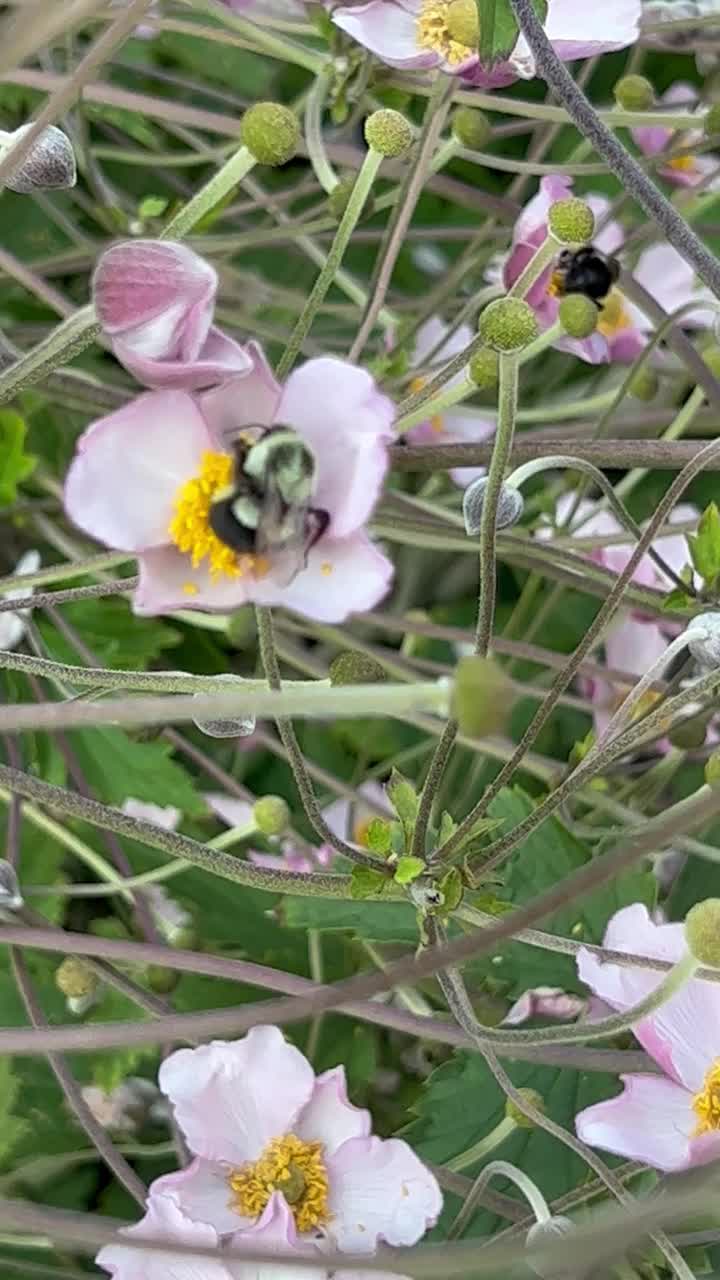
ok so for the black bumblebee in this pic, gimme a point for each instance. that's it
(586, 271)
(267, 509)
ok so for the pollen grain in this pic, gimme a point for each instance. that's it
(293, 1167)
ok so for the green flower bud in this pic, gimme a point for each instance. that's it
(702, 932)
(535, 1100)
(340, 195)
(690, 734)
(471, 127)
(712, 119)
(75, 978)
(571, 221)
(483, 369)
(462, 22)
(161, 980)
(389, 133)
(482, 697)
(271, 815)
(711, 356)
(644, 384)
(271, 132)
(185, 938)
(508, 324)
(578, 315)
(634, 93)
(353, 667)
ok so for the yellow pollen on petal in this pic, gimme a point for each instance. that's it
(326, 568)
(437, 422)
(706, 1103)
(683, 164)
(433, 32)
(361, 831)
(190, 529)
(190, 588)
(614, 315)
(295, 1168)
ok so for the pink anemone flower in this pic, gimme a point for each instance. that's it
(259, 1121)
(670, 1121)
(414, 34)
(143, 480)
(684, 169)
(155, 301)
(454, 426)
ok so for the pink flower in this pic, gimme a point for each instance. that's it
(669, 1121)
(144, 477)
(685, 169)
(544, 1002)
(455, 426)
(155, 301)
(671, 281)
(414, 34)
(259, 1121)
(349, 820)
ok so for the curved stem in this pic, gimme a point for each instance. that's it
(508, 367)
(314, 140)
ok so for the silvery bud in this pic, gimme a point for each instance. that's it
(544, 1233)
(705, 648)
(509, 510)
(48, 165)
(10, 896)
(241, 727)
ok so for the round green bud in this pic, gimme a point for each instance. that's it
(271, 132)
(340, 195)
(482, 697)
(545, 1233)
(690, 734)
(271, 815)
(483, 369)
(161, 980)
(241, 628)
(578, 315)
(353, 667)
(712, 119)
(508, 324)
(75, 978)
(634, 93)
(711, 356)
(513, 1112)
(644, 384)
(388, 132)
(471, 128)
(184, 938)
(571, 221)
(702, 932)
(461, 20)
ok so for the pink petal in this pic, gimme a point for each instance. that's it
(544, 1002)
(231, 1098)
(652, 138)
(202, 1192)
(683, 1036)
(431, 336)
(250, 401)
(338, 409)
(388, 30)
(157, 296)
(379, 1191)
(652, 1120)
(168, 581)
(163, 1220)
(166, 816)
(275, 1233)
(342, 818)
(671, 281)
(230, 809)
(219, 358)
(329, 1117)
(129, 466)
(555, 186)
(582, 31)
(343, 576)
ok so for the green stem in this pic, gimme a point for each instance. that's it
(231, 173)
(679, 425)
(479, 1150)
(355, 205)
(542, 342)
(541, 259)
(109, 678)
(264, 39)
(65, 572)
(445, 399)
(508, 367)
(314, 140)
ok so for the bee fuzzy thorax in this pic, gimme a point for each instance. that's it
(586, 271)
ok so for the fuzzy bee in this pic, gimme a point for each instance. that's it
(586, 271)
(267, 510)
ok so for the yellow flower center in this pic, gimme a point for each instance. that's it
(439, 24)
(293, 1167)
(360, 832)
(190, 526)
(437, 422)
(706, 1103)
(614, 315)
(683, 164)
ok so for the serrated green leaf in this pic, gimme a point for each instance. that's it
(366, 883)
(677, 599)
(378, 836)
(499, 28)
(403, 798)
(15, 463)
(452, 888)
(704, 546)
(114, 633)
(448, 825)
(373, 921)
(408, 869)
(116, 766)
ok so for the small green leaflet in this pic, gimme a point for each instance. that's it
(705, 545)
(499, 29)
(408, 869)
(15, 463)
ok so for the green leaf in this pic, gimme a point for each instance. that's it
(15, 463)
(499, 29)
(366, 883)
(677, 599)
(152, 206)
(373, 921)
(705, 544)
(115, 767)
(113, 632)
(452, 889)
(408, 869)
(403, 798)
(378, 837)
(12, 1128)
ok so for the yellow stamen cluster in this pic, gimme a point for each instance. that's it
(190, 527)
(683, 164)
(706, 1103)
(433, 32)
(614, 315)
(436, 421)
(293, 1167)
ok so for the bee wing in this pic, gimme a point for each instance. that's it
(282, 536)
